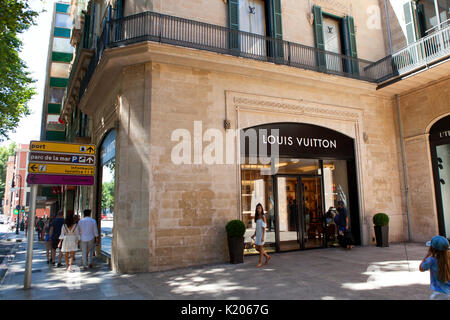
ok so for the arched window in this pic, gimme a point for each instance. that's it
(440, 157)
(106, 189)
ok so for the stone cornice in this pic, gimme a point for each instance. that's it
(243, 101)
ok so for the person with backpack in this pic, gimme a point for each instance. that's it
(437, 261)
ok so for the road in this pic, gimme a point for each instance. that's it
(6, 248)
(106, 230)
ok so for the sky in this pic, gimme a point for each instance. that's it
(34, 54)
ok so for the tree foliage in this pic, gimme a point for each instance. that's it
(108, 196)
(15, 82)
(5, 153)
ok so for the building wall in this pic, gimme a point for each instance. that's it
(297, 18)
(170, 215)
(420, 109)
(7, 210)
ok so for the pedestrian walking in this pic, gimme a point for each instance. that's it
(25, 225)
(40, 228)
(69, 239)
(259, 235)
(345, 237)
(48, 240)
(437, 261)
(55, 232)
(89, 235)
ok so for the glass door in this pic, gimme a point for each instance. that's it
(312, 215)
(288, 223)
(442, 173)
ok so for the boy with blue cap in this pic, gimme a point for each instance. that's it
(437, 261)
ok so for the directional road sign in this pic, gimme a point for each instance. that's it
(55, 163)
(61, 169)
(61, 158)
(51, 179)
(62, 147)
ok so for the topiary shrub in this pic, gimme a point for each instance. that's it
(235, 229)
(380, 219)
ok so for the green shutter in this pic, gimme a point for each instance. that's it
(62, 8)
(58, 82)
(62, 57)
(119, 9)
(54, 108)
(277, 28)
(233, 23)
(55, 136)
(409, 22)
(276, 16)
(352, 52)
(318, 33)
(61, 32)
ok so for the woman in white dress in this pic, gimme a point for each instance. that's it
(260, 233)
(70, 237)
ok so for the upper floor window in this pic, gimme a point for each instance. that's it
(63, 21)
(423, 17)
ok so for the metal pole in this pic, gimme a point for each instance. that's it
(20, 206)
(30, 239)
(388, 26)
(405, 173)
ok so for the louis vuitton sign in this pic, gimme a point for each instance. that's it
(295, 140)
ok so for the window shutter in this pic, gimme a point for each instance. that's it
(233, 23)
(277, 28)
(119, 9)
(420, 16)
(350, 66)
(409, 22)
(318, 33)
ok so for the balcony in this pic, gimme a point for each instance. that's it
(426, 54)
(156, 27)
(83, 55)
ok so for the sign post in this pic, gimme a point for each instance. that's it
(30, 238)
(53, 163)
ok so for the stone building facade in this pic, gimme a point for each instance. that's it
(167, 99)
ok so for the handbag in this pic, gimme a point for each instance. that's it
(47, 237)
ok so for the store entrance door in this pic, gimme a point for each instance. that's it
(299, 212)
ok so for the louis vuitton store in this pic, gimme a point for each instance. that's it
(297, 171)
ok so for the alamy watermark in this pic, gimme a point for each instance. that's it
(253, 146)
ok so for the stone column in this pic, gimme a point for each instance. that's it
(130, 252)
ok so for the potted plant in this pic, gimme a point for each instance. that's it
(235, 231)
(381, 222)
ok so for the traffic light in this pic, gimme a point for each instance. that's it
(16, 210)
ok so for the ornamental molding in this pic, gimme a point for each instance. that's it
(298, 107)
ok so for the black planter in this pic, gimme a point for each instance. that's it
(382, 236)
(236, 249)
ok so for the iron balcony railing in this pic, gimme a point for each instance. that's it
(151, 26)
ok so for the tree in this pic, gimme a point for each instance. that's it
(15, 81)
(108, 195)
(5, 153)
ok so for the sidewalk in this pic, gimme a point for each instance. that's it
(361, 274)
